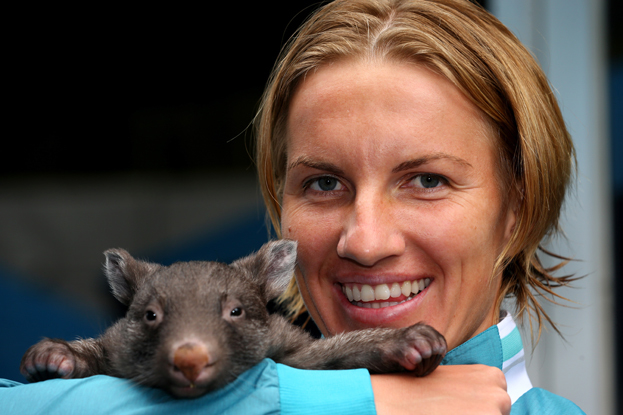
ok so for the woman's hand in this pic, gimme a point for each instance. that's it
(461, 389)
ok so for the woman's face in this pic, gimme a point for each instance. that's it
(393, 195)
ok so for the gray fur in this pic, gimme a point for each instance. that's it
(209, 320)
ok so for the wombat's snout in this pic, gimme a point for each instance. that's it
(191, 359)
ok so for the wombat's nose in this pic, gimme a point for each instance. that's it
(190, 359)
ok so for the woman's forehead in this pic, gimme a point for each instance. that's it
(380, 107)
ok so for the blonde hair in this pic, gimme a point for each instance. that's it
(482, 58)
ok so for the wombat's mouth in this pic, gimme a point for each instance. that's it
(383, 295)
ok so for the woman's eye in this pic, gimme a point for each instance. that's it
(325, 184)
(428, 181)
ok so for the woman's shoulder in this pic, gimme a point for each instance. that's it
(540, 401)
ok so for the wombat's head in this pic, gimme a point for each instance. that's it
(192, 327)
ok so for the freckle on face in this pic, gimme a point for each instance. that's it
(374, 128)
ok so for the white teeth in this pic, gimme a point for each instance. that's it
(381, 292)
(349, 292)
(356, 293)
(367, 293)
(395, 291)
(364, 294)
(415, 287)
(380, 305)
(406, 288)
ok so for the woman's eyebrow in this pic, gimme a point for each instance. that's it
(315, 164)
(413, 163)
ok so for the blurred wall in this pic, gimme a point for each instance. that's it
(54, 231)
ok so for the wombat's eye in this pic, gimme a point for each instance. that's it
(150, 315)
(236, 312)
(153, 315)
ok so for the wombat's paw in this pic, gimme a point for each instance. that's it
(48, 359)
(422, 349)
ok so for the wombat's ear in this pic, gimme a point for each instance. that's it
(279, 259)
(273, 266)
(125, 274)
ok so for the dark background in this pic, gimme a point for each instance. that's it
(99, 90)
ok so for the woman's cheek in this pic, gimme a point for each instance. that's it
(288, 227)
(303, 222)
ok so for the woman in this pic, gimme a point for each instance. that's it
(414, 144)
(416, 153)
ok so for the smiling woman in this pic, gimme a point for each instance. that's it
(473, 56)
(393, 180)
(416, 152)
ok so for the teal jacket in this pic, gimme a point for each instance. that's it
(501, 346)
(271, 388)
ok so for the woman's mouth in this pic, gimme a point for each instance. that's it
(383, 295)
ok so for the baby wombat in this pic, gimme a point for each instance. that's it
(193, 327)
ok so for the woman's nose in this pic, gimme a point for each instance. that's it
(370, 232)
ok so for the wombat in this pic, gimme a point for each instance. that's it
(193, 327)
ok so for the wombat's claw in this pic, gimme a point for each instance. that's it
(427, 349)
(428, 365)
(47, 359)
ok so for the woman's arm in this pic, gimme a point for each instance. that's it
(464, 389)
(270, 388)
